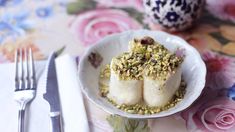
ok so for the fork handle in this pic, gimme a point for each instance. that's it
(56, 122)
(21, 121)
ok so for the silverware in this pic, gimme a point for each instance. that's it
(52, 94)
(25, 82)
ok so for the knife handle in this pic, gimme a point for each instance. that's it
(56, 122)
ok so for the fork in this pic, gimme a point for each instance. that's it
(25, 82)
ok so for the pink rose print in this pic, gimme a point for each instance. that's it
(137, 4)
(224, 9)
(214, 115)
(91, 26)
(220, 70)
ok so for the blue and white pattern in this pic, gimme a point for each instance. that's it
(231, 92)
(22, 17)
(5, 3)
(14, 25)
(174, 15)
(44, 12)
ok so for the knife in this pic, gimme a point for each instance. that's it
(52, 94)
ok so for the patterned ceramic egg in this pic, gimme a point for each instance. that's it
(174, 15)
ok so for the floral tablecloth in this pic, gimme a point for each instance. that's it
(70, 26)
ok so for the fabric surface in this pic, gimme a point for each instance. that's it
(37, 114)
(71, 26)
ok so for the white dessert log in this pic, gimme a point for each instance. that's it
(162, 77)
(162, 72)
(159, 92)
(127, 92)
(125, 85)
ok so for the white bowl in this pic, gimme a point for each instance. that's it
(193, 69)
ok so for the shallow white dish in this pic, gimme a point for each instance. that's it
(193, 69)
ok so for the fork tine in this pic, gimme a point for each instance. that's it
(26, 77)
(32, 70)
(21, 71)
(16, 71)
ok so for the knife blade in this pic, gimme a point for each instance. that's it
(52, 94)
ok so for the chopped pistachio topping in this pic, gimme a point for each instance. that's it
(128, 66)
(149, 56)
(147, 49)
(105, 71)
(161, 64)
(104, 78)
(104, 89)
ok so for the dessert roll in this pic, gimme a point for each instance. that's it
(162, 77)
(159, 92)
(126, 81)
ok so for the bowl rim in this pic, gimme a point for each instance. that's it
(138, 116)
